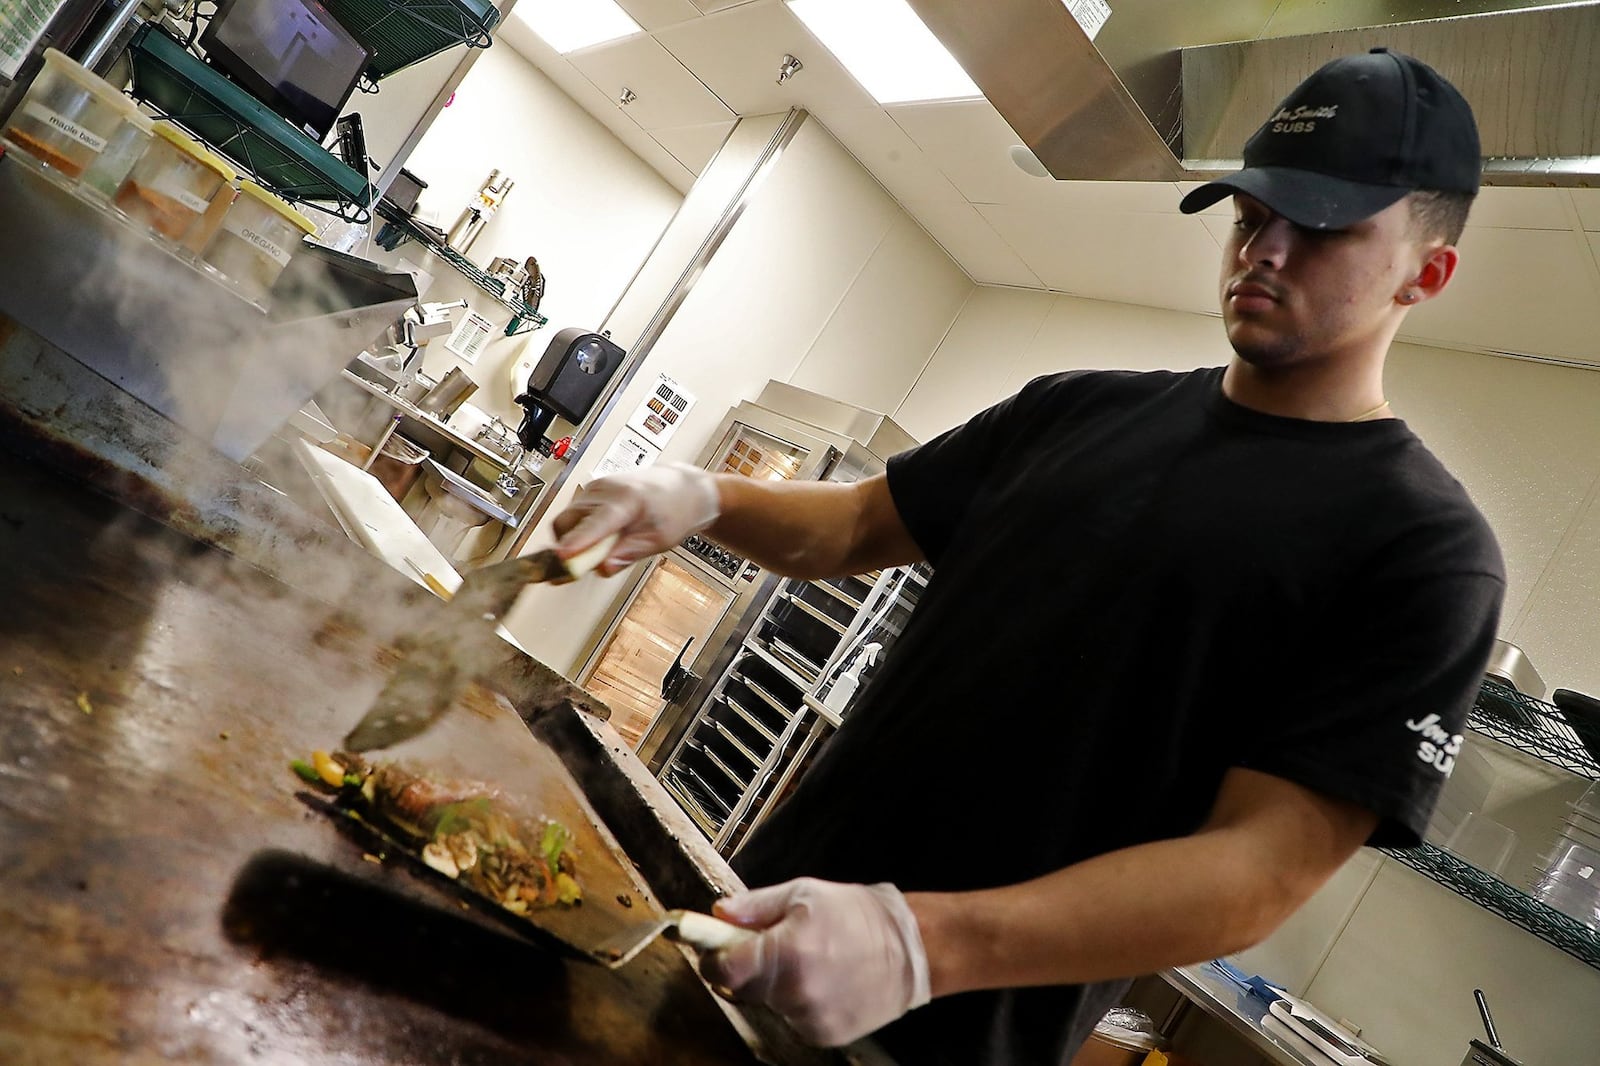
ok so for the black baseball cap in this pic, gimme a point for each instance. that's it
(1353, 138)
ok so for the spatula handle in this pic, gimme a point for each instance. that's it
(708, 933)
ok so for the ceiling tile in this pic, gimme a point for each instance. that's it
(657, 14)
(738, 53)
(693, 146)
(1509, 207)
(1517, 290)
(1588, 204)
(899, 165)
(604, 110)
(708, 6)
(1127, 256)
(969, 239)
(971, 144)
(1219, 226)
(667, 93)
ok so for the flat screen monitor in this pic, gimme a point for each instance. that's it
(293, 55)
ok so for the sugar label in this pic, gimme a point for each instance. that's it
(188, 199)
(65, 126)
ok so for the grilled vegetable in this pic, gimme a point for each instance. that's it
(464, 833)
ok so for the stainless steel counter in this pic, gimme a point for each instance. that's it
(175, 632)
(411, 410)
(166, 328)
(507, 509)
(1241, 1012)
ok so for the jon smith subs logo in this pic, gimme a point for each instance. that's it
(1301, 119)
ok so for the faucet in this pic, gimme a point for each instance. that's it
(508, 483)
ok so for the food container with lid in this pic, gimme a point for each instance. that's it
(1124, 1037)
(67, 116)
(1571, 883)
(173, 183)
(259, 236)
(123, 149)
(202, 232)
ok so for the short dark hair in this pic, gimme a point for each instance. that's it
(1440, 215)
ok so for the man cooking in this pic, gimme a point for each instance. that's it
(1191, 640)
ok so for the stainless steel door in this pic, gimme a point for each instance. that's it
(674, 603)
(775, 449)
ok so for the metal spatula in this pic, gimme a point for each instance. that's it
(698, 930)
(460, 645)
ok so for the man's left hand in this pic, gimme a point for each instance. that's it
(838, 961)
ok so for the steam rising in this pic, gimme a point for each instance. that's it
(158, 329)
(205, 356)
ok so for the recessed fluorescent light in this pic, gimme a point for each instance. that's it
(888, 49)
(568, 25)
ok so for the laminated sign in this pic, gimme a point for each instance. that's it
(22, 23)
(470, 338)
(1091, 14)
(661, 412)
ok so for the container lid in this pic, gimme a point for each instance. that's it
(170, 133)
(61, 63)
(134, 117)
(1128, 1029)
(250, 188)
(1121, 1038)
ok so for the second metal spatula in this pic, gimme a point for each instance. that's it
(698, 930)
(460, 644)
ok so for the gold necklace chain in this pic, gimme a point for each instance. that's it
(1364, 415)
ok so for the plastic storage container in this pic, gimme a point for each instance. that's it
(1571, 883)
(1124, 1037)
(173, 183)
(202, 232)
(123, 149)
(259, 236)
(67, 116)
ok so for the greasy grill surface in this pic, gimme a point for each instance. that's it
(165, 897)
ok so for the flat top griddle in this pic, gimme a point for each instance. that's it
(166, 898)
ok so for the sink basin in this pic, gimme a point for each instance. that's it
(488, 498)
(486, 476)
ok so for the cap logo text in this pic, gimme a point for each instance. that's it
(1301, 119)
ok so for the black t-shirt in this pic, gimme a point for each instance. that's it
(1139, 585)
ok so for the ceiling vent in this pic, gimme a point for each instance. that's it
(1169, 90)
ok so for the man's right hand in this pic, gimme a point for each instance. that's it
(651, 509)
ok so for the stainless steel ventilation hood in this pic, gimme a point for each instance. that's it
(1170, 89)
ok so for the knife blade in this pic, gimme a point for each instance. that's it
(459, 646)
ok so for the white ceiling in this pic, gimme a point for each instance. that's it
(1529, 283)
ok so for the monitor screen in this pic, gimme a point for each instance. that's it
(291, 54)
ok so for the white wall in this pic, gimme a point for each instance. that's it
(1380, 944)
(825, 282)
(1005, 337)
(718, 187)
(403, 103)
(584, 205)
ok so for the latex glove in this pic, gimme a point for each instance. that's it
(652, 509)
(838, 961)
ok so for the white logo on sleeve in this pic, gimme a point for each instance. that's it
(1438, 748)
